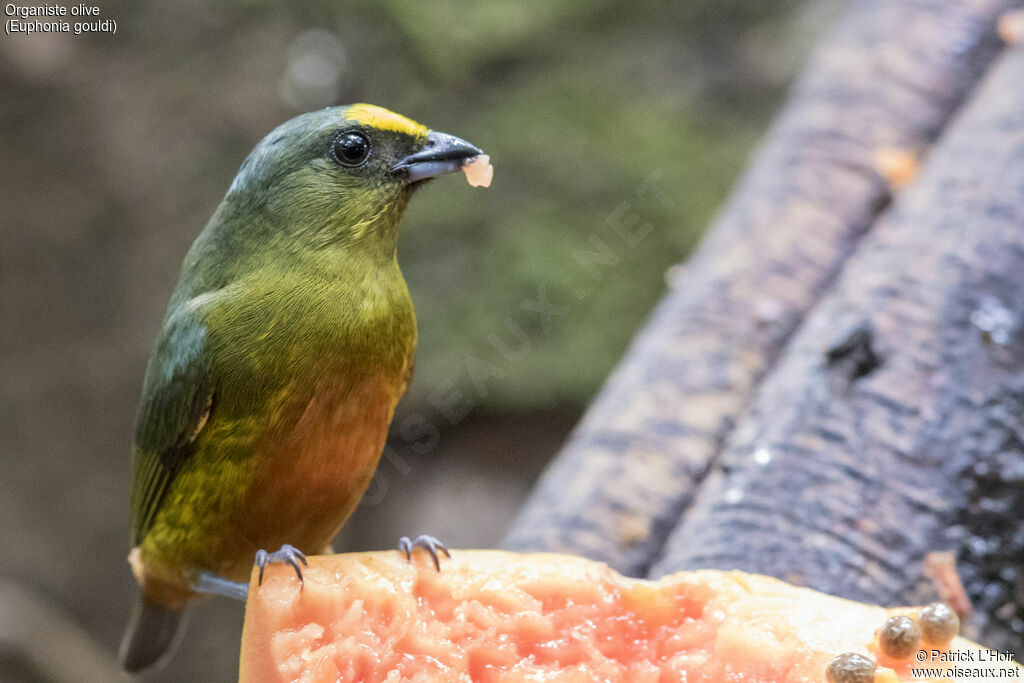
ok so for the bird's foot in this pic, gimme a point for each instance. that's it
(288, 554)
(428, 543)
(208, 583)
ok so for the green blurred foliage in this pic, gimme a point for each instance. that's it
(614, 132)
(599, 118)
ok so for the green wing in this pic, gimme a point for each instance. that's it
(177, 398)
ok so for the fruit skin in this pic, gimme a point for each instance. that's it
(287, 342)
(366, 616)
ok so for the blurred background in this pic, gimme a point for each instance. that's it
(615, 130)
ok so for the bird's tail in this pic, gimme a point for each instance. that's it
(150, 636)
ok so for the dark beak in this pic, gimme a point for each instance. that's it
(442, 153)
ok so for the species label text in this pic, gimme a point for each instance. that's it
(75, 19)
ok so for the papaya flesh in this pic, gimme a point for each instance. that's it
(508, 617)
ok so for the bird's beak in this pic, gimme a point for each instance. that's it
(442, 153)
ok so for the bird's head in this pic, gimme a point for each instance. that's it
(341, 175)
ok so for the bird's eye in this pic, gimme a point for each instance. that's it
(351, 149)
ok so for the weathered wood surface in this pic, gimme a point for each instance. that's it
(889, 76)
(908, 437)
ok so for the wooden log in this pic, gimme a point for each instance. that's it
(888, 77)
(893, 425)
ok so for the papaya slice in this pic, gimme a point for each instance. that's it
(508, 617)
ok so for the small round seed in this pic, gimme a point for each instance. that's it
(850, 667)
(899, 637)
(939, 623)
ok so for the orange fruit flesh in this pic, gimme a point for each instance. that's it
(497, 616)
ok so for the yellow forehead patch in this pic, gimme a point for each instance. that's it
(379, 117)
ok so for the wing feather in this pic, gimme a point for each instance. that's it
(177, 399)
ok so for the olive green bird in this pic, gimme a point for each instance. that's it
(287, 343)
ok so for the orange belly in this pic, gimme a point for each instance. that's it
(309, 479)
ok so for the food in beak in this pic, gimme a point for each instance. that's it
(479, 171)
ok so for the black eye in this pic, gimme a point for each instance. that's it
(350, 149)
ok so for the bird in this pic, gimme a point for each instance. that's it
(288, 340)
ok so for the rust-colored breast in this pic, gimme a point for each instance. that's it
(309, 478)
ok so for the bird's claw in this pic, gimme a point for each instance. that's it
(428, 543)
(288, 554)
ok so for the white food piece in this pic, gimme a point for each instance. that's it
(479, 171)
